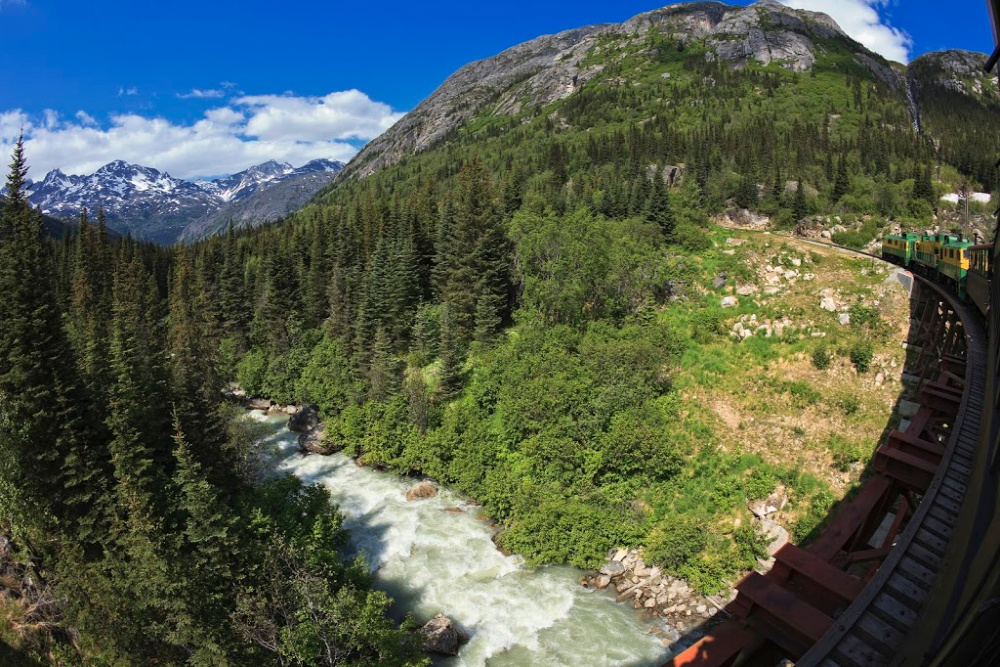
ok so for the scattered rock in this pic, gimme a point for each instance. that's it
(602, 582)
(880, 378)
(844, 319)
(825, 235)
(735, 242)
(259, 404)
(304, 420)
(828, 303)
(730, 302)
(746, 289)
(425, 489)
(620, 555)
(442, 636)
(720, 280)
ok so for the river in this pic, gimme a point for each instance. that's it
(436, 556)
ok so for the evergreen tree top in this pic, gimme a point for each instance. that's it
(17, 176)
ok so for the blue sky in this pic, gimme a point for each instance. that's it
(210, 87)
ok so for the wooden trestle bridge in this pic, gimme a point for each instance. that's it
(855, 594)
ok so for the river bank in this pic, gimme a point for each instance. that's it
(435, 555)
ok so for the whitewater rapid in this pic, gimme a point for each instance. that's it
(436, 556)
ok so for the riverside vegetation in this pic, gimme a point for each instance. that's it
(529, 311)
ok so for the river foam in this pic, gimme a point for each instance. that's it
(436, 556)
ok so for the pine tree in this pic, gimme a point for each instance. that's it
(137, 419)
(799, 206)
(452, 357)
(233, 297)
(53, 469)
(841, 184)
(923, 188)
(658, 208)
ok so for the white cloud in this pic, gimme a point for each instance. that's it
(6, 4)
(131, 90)
(861, 20)
(199, 94)
(85, 118)
(345, 115)
(224, 140)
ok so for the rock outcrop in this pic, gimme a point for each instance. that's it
(442, 636)
(553, 67)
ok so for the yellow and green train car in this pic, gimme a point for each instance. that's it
(899, 248)
(945, 258)
(928, 252)
(953, 265)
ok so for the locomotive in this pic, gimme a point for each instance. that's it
(958, 263)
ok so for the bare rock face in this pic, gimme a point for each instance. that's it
(441, 636)
(422, 490)
(304, 419)
(553, 67)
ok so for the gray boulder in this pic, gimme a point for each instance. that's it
(314, 441)
(441, 636)
(613, 569)
(304, 420)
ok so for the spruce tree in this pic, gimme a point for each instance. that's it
(799, 206)
(53, 468)
(658, 208)
(841, 184)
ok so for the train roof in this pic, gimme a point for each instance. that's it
(903, 237)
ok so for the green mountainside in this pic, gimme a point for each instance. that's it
(517, 291)
(763, 93)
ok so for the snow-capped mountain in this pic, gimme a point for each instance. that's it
(153, 205)
(262, 194)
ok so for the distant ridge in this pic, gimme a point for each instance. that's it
(152, 205)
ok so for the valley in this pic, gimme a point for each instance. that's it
(588, 289)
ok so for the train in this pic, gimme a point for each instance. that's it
(949, 259)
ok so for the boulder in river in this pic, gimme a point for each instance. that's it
(304, 420)
(442, 636)
(314, 441)
(259, 404)
(425, 489)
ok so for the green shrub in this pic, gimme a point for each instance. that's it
(862, 354)
(821, 358)
(706, 326)
(676, 540)
(844, 452)
(691, 238)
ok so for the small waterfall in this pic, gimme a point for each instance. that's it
(437, 556)
(911, 104)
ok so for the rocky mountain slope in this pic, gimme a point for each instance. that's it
(155, 206)
(263, 194)
(555, 67)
